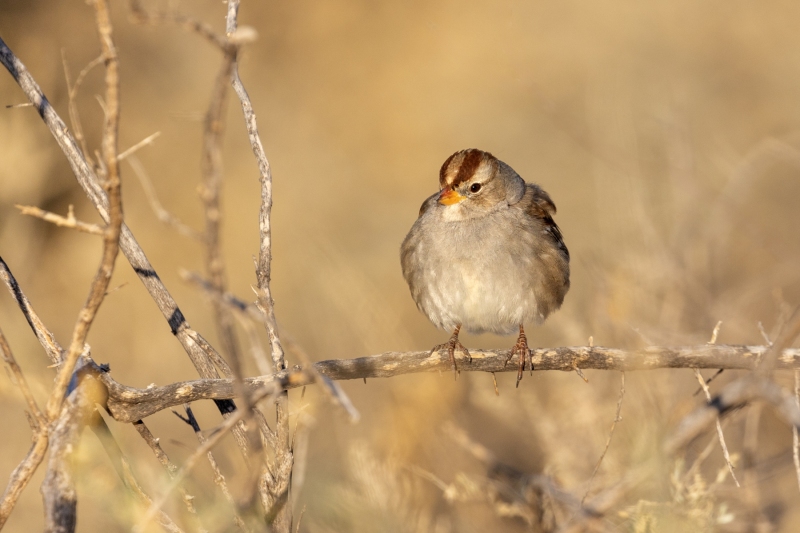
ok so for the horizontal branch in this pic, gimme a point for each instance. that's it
(128, 404)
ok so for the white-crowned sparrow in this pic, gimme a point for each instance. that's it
(485, 253)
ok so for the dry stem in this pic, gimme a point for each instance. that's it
(129, 404)
(617, 418)
(68, 221)
(191, 461)
(720, 435)
(46, 338)
(111, 234)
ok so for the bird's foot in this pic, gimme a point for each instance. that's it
(451, 346)
(521, 348)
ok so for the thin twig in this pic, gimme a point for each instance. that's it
(141, 16)
(734, 395)
(124, 469)
(21, 382)
(715, 333)
(162, 214)
(191, 461)
(111, 235)
(147, 141)
(247, 314)
(44, 335)
(25, 470)
(72, 92)
(720, 435)
(133, 252)
(702, 456)
(764, 333)
(210, 194)
(617, 418)
(68, 221)
(280, 487)
(789, 332)
(163, 458)
(219, 479)
(22, 474)
(709, 380)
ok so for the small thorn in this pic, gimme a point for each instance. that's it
(365, 381)
(496, 390)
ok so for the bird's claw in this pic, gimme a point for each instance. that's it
(451, 346)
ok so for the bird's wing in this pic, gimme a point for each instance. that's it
(537, 204)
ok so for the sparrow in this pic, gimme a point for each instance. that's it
(485, 254)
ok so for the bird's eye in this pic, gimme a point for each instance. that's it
(475, 187)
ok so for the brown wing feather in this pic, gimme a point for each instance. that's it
(539, 205)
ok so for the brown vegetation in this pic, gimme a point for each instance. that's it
(666, 135)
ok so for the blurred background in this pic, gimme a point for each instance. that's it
(667, 133)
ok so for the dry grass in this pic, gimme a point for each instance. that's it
(668, 136)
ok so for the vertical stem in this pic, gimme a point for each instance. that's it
(112, 231)
(278, 482)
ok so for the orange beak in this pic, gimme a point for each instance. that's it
(449, 197)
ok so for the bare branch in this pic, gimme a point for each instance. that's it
(141, 16)
(46, 338)
(162, 214)
(720, 435)
(191, 461)
(280, 485)
(133, 252)
(65, 222)
(789, 332)
(219, 479)
(147, 141)
(704, 386)
(23, 474)
(128, 404)
(111, 235)
(210, 194)
(21, 382)
(153, 443)
(72, 91)
(732, 396)
(58, 488)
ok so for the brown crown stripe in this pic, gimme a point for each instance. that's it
(471, 159)
(443, 170)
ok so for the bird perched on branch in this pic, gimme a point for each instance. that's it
(485, 253)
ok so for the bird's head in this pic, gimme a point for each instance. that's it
(474, 182)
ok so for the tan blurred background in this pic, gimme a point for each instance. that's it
(667, 134)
